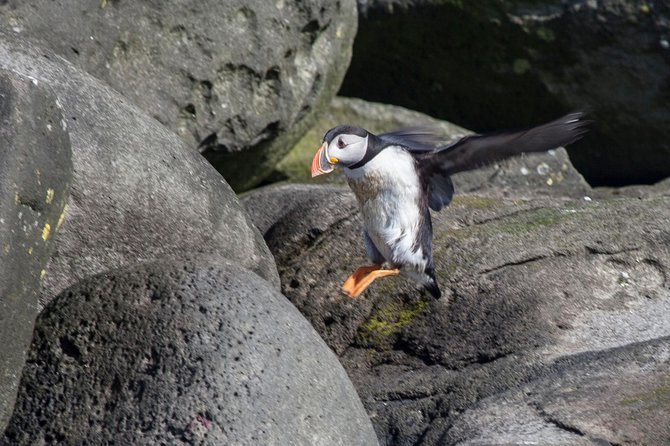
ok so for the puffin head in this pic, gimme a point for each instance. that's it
(343, 146)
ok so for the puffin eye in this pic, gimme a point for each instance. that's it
(340, 143)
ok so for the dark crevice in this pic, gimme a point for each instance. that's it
(516, 263)
(69, 348)
(569, 428)
(31, 203)
(559, 424)
(210, 142)
(604, 251)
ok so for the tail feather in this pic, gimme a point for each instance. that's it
(434, 290)
(432, 286)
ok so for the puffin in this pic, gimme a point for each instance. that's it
(399, 176)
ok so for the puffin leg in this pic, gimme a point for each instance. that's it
(368, 279)
(350, 284)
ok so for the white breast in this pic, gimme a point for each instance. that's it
(388, 191)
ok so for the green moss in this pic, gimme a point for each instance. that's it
(652, 399)
(519, 224)
(387, 321)
(520, 66)
(545, 34)
(474, 201)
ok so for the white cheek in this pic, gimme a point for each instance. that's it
(345, 156)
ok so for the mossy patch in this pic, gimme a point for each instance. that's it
(545, 34)
(474, 201)
(378, 332)
(519, 224)
(654, 399)
(520, 66)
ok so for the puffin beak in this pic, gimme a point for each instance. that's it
(321, 163)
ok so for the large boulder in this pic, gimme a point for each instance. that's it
(492, 64)
(138, 192)
(530, 284)
(240, 80)
(35, 176)
(536, 174)
(196, 352)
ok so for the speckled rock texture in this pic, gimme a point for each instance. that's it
(239, 80)
(535, 291)
(530, 175)
(35, 176)
(182, 353)
(138, 192)
(496, 64)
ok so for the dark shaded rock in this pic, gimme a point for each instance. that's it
(138, 191)
(526, 283)
(535, 174)
(491, 65)
(273, 207)
(660, 189)
(182, 353)
(241, 80)
(35, 176)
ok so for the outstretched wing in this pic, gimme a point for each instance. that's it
(475, 151)
(415, 139)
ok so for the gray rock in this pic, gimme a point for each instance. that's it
(35, 176)
(242, 80)
(182, 353)
(138, 192)
(526, 283)
(530, 175)
(491, 65)
(583, 404)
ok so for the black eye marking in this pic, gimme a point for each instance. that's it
(340, 143)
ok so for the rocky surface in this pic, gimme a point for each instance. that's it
(201, 352)
(491, 65)
(138, 192)
(241, 80)
(35, 176)
(534, 174)
(584, 402)
(536, 291)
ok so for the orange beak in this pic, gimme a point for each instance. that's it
(321, 163)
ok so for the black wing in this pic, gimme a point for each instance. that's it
(415, 139)
(475, 151)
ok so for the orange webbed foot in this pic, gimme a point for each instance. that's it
(363, 277)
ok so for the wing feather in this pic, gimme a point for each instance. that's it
(415, 139)
(475, 151)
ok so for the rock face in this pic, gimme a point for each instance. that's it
(240, 79)
(535, 174)
(35, 176)
(491, 65)
(537, 292)
(138, 192)
(182, 353)
(583, 403)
